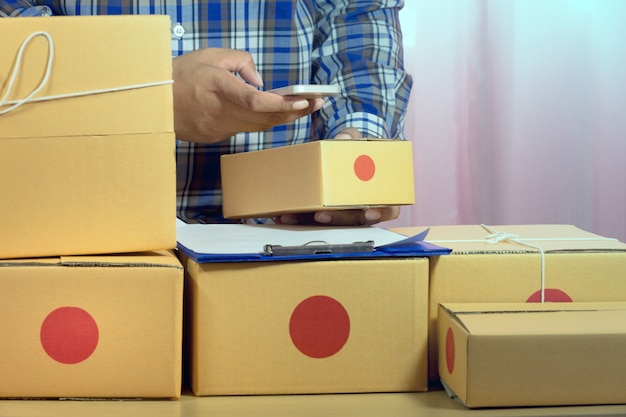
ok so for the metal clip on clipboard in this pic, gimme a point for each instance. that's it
(317, 247)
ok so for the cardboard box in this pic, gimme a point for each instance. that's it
(540, 354)
(304, 327)
(93, 173)
(579, 266)
(320, 175)
(91, 326)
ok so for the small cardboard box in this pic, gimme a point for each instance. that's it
(486, 266)
(91, 326)
(540, 354)
(93, 173)
(304, 327)
(320, 175)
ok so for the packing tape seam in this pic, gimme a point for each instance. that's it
(14, 104)
(499, 236)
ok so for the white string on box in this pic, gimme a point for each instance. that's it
(14, 104)
(497, 236)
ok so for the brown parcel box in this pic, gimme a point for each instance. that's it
(540, 354)
(579, 266)
(326, 174)
(91, 326)
(303, 327)
(95, 173)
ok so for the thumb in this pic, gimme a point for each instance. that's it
(251, 75)
(349, 133)
(240, 62)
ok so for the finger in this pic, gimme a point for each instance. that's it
(352, 217)
(252, 120)
(250, 74)
(300, 218)
(264, 101)
(232, 60)
(357, 217)
(349, 133)
(255, 108)
(237, 119)
(385, 213)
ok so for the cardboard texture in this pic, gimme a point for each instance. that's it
(307, 327)
(579, 266)
(94, 173)
(543, 354)
(320, 175)
(91, 327)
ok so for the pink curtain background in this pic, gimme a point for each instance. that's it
(518, 112)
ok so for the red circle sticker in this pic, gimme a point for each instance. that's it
(364, 168)
(319, 326)
(551, 295)
(450, 353)
(69, 335)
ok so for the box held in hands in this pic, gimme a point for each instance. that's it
(319, 175)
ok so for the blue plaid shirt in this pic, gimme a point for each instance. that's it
(354, 43)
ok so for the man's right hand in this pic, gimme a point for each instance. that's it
(212, 104)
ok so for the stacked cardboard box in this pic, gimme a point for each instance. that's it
(520, 264)
(331, 326)
(106, 326)
(91, 290)
(310, 326)
(94, 173)
(533, 354)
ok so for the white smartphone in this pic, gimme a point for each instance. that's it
(308, 91)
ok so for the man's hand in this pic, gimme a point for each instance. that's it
(353, 217)
(212, 104)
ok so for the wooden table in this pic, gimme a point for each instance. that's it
(429, 404)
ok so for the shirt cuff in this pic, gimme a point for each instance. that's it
(369, 125)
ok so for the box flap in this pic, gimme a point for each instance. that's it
(551, 238)
(482, 319)
(77, 48)
(156, 259)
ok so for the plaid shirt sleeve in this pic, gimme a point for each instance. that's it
(360, 48)
(354, 43)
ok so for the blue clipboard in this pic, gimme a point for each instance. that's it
(414, 246)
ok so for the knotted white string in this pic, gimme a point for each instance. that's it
(16, 68)
(498, 236)
(14, 104)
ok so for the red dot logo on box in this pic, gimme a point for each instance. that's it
(551, 295)
(364, 167)
(69, 335)
(319, 326)
(450, 352)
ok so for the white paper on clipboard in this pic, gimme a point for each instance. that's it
(232, 239)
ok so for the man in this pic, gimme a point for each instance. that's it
(227, 53)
